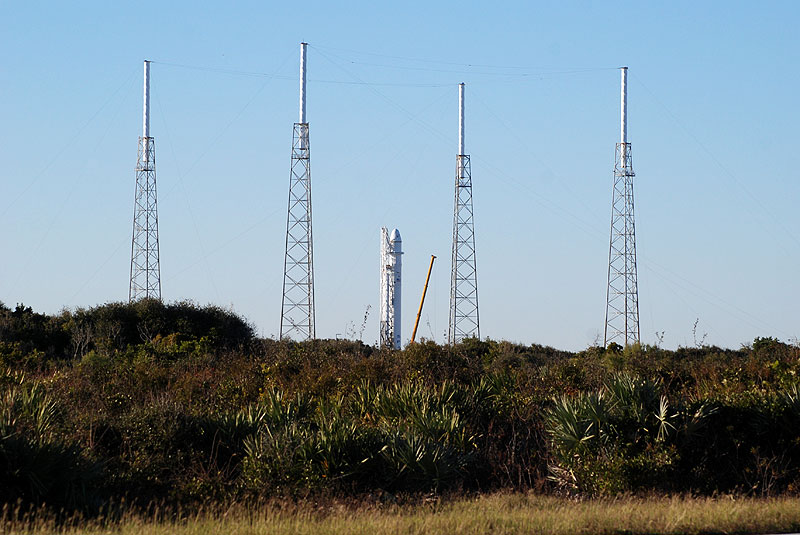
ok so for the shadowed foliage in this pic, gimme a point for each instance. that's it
(181, 404)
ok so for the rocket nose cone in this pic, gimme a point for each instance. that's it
(395, 236)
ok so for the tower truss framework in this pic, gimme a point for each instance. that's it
(297, 306)
(297, 303)
(145, 282)
(145, 263)
(622, 299)
(464, 320)
(622, 296)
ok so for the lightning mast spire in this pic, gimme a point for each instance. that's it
(622, 297)
(297, 304)
(464, 277)
(145, 263)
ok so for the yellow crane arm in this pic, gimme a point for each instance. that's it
(422, 301)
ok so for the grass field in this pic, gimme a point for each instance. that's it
(497, 514)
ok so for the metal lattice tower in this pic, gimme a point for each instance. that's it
(622, 297)
(464, 278)
(145, 263)
(297, 304)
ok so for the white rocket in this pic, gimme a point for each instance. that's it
(391, 288)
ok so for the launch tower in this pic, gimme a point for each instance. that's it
(464, 278)
(297, 304)
(145, 263)
(622, 296)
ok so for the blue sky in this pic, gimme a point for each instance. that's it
(713, 114)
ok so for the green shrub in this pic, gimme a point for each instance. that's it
(180, 403)
(36, 465)
(292, 449)
(30, 339)
(608, 441)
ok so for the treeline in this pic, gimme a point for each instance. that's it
(32, 339)
(184, 404)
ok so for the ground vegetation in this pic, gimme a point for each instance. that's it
(184, 406)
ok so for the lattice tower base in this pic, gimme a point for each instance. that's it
(297, 304)
(622, 298)
(464, 320)
(145, 263)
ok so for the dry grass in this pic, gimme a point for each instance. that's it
(496, 514)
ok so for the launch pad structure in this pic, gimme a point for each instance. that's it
(464, 320)
(622, 295)
(145, 281)
(297, 303)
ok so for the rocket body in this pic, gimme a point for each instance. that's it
(396, 247)
(391, 289)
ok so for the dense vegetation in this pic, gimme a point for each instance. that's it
(183, 404)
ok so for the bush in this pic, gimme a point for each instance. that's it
(30, 339)
(616, 439)
(114, 327)
(180, 404)
(36, 465)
